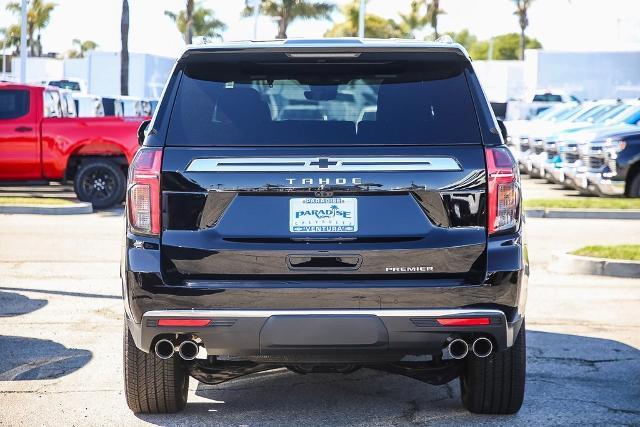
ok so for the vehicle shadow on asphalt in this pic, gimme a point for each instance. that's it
(13, 304)
(113, 211)
(570, 379)
(25, 358)
(55, 292)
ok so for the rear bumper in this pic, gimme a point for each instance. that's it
(326, 335)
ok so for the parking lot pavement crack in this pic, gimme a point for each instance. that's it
(602, 405)
(583, 362)
(543, 380)
(12, 374)
(45, 391)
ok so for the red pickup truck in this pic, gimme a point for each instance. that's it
(38, 143)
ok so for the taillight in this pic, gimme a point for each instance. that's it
(143, 195)
(503, 198)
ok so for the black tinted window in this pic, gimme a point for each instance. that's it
(401, 102)
(13, 103)
(547, 97)
(65, 84)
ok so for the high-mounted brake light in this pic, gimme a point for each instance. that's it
(503, 197)
(143, 195)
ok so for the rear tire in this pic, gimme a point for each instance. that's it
(153, 385)
(495, 384)
(100, 182)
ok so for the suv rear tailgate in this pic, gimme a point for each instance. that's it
(226, 224)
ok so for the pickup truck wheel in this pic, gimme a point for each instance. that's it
(634, 186)
(101, 182)
(495, 384)
(153, 385)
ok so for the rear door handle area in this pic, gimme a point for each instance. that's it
(320, 262)
(23, 129)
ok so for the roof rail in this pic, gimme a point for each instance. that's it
(445, 39)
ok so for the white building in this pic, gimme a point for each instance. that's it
(587, 75)
(101, 72)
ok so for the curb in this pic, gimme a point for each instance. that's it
(576, 264)
(584, 214)
(76, 208)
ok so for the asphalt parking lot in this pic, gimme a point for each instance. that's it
(61, 323)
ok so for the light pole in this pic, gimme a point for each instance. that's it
(361, 13)
(256, 17)
(4, 63)
(23, 42)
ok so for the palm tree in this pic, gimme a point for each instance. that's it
(124, 53)
(81, 47)
(522, 10)
(196, 20)
(433, 10)
(414, 20)
(375, 26)
(38, 17)
(11, 37)
(287, 11)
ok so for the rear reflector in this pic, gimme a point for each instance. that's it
(184, 322)
(463, 321)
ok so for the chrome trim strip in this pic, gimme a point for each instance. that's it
(323, 164)
(392, 312)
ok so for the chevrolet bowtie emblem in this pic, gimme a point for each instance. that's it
(323, 163)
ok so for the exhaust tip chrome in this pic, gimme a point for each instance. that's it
(188, 350)
(458, 348)
(164, 349)
(482, 347)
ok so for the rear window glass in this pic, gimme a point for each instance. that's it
(547, 97)
(65, 84)
(13, 103)
(288, 103)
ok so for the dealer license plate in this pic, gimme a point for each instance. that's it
(323, 215)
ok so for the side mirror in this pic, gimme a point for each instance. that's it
(503, 130)
(141, 130)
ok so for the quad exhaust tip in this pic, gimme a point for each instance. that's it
(165, 349)
(188, 350)
(458, 348)
(482, 347)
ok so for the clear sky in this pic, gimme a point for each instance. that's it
(558, 24)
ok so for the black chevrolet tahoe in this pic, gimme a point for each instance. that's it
(324, 206)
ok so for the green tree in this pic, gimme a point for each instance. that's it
(81, 47)
(374, 25)
(196, 20)
(414, 20)
(433, 11)
(287, 11)
(522, 12)
(464, 37)
(124, 52)
(479, 50)
(38, 17)
(11, 37)
(505, 46)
